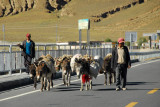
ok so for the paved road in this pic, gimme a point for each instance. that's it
(143, 77)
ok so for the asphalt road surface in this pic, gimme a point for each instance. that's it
(143, 90)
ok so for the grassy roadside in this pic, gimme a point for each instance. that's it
(142, 18)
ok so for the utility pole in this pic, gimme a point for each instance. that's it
(3, 34)
(3, 28)
(56, 33)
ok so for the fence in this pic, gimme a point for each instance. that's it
(141, 56)
(12, 60)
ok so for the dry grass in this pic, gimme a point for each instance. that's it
(142, 18)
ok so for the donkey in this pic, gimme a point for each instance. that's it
(64, 65)
(74, 66)
(95, 67)
(108, 72)
(45, 70)
(32, 71)
(44, 73)
(83, 72)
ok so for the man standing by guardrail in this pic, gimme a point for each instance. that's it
(120, 62)
(28, 47)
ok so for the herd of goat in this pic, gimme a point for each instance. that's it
(86, 68)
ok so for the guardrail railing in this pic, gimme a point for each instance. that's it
(141, 56)
(12, 60)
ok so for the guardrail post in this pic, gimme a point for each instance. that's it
(58, 51)
(70, 49)
(102, 51)
(133, 56)
(96, 49)
(20, 62)
(38, 51)
(51, 51)
(10, 51)
(45, 50)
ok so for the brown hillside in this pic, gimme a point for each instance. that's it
(12, 7)
(49, 21)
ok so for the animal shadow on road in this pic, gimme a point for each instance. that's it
(53, 105)
(140, 83)
(72, 87)
(78, 84)
(104, 89)
(64, 88)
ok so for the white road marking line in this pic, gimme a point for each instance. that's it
(136, 65)
(19, 95)
(144, 63)
(61, 84)
(32, 92)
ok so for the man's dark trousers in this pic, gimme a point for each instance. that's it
(27, 62)
(121, 73)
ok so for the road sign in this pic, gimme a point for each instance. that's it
(131, 36)
(154, 37)
(148, 34)
(83, 24)
(158, 32)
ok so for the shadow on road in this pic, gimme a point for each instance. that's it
(140, 83)
(106, 89)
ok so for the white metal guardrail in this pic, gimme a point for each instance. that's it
(141, 56)
(12, 60)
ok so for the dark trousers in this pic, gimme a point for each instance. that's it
(27, 62)
(121, 74)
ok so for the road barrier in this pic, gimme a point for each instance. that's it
(142, 56)
(11, 59)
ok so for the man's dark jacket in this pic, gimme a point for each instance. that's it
(32, 48)
(114, 59)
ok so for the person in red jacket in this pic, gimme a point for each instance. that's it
(120, 62)
(28, 47)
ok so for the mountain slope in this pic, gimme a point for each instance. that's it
(115, 17)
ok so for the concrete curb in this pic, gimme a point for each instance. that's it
(14, 81)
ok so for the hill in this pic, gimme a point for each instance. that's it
(49, 21)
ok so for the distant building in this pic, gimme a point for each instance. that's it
(75, 44)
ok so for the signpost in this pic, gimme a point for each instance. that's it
(152, 36)
(158, 32)
(84, 24)
(131, 37)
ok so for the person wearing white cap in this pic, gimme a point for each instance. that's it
(28, 47)
(120, 62)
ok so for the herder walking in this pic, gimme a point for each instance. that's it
(28, 52)
(120, 62)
